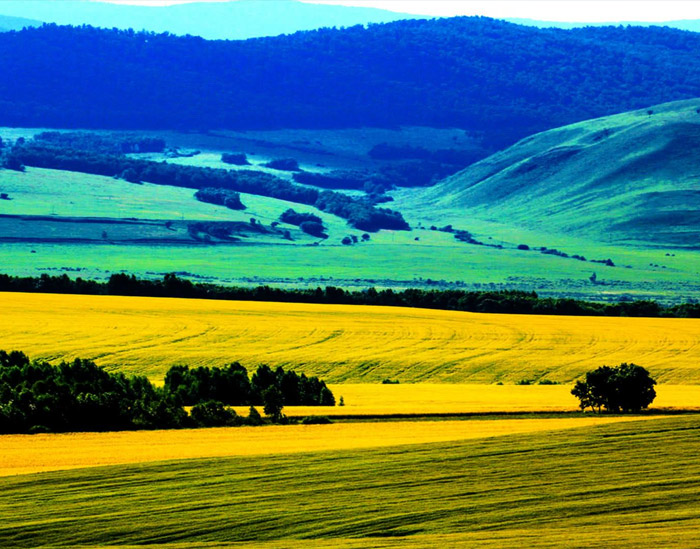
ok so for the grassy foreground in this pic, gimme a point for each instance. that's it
(623, 485)
(342, 343)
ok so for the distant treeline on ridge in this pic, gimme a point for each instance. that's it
(498, 80)
(506, 301)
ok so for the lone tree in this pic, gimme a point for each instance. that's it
(624, 388)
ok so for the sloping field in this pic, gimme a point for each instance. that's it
(631, 484)
(343, 343)
(23, 454)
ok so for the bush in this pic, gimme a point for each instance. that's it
(624, 388)
(313, 228)
(213, 414)
(284, 164)
(237, 159)
(316, 420)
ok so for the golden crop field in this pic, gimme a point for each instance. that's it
(619, 485)
(365, 399)
(343, 343)
(22, 454)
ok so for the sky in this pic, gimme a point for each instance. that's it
(590, 11)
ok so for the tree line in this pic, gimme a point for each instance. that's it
(505, 301)
(80, 396)
(360, 213)
(498, 80)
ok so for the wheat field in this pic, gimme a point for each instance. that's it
(343, 343)
(630, 484)
(22, 454)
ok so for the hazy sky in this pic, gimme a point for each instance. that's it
(547, 10)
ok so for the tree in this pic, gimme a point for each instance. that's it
(273, 403)
(624, 388)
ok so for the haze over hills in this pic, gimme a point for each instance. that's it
(8, 23)
(494, 79)
(233, 20)
(629, 178)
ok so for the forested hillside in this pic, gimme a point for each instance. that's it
(500, 80)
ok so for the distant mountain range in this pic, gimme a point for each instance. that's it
(234, 20)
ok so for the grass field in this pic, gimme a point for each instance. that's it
(343, 343)
(632, 484)
(22, 454)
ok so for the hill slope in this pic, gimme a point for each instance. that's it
(625, 178)
(212, 20)
(503, 80)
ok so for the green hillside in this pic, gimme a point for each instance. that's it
(627, 485)
(630, 179)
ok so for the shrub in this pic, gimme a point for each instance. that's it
(313, 228)
(237, 159)
(316, 420)
(284, 164)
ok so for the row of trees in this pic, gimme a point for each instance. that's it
(506, 301)
(80, 396)
(360, 213)
(231, 385)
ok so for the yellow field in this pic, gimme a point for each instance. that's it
(343, 343)
(22, 454)
(363, 399)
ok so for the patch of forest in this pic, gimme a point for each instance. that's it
(36, 396)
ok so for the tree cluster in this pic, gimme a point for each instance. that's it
(231, 385)
(297, 218)
(499, 80)
(222, 197)
(623, 388)
(79, 396)
(506, 301)
(359, 213)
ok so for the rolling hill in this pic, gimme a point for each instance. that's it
(630, 178)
